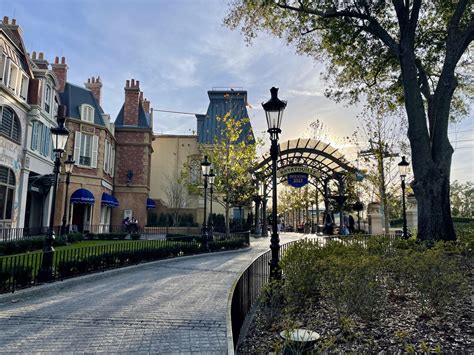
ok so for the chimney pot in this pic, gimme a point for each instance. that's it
(133, 83)
(5, 20)
(63, 60)
(56, 60)
(14, 21)
(41, 55)
(141, 96)
(127, 84)
(137, 83)
(33, 55)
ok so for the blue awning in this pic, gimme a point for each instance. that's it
(83, 196)
(109, 200)
(150, 203)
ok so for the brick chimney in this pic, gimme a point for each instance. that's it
(146, 106)
(95, 85)
(39, 60)
(132, 98)
(60, 70)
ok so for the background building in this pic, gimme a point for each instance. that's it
(177, 158)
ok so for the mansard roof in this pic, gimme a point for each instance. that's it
(143, 118)
(74, 96)
(222, 102)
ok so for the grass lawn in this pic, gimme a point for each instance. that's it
(83, 244)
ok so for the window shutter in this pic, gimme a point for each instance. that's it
(95, 148)
(112, 161)
(47, 141)
(106, 156)
(77, 147)
(34, 135)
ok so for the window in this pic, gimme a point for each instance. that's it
(87, 113)
(24, 87)
(10, 124)
(7, 192)
(3, 61)
(109, 156)
(85, 156)
(12, 76)
(41, 138)
(85, 149)
(47, 99)
(195, 171)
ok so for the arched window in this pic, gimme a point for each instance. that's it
(7, 193)
(10, 124)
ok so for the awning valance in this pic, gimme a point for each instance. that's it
(150, 203)
(83, 196)
(109, 200)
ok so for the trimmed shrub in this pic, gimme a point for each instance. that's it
(135, 236)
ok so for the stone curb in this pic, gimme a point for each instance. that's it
(62, 284)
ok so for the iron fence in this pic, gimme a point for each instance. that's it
(249, 286)
(21, 271)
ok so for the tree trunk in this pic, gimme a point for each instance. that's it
(434, 210)
(227, 219)
(431, 155)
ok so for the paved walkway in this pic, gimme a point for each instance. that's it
(176, 306)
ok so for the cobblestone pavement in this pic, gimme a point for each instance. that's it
(176, 306)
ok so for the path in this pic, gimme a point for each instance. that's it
(174, 306)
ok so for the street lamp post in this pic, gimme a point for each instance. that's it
(274, 112)
(212, 178)
(68, 165)
(263, 193)
(258, 200)
(403, 169)
(206, 167)
(59, 137)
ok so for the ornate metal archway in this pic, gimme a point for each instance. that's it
(316, 158)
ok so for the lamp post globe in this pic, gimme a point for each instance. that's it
(274, 109)
(212, 179)
(206, 167)
(403, 170)
(59, 135)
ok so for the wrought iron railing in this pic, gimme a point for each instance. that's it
(248, 288)
(21, 271)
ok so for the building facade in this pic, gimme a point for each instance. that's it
(15, 75)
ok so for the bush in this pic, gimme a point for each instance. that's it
(75, 237)
(135, 236)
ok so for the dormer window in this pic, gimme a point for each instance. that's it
(12, 76)
(24, 87)
(87, 113)
(47, 99)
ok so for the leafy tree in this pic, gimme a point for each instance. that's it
(232, 157)
(461, 198)
(402, 52)
(379, 139)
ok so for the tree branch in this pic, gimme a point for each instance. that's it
(425, 86)
(373, 26)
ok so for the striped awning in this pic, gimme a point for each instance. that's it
(109, 200)
(83, 196)
(150, 203)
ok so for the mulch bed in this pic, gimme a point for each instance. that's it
(399, 328)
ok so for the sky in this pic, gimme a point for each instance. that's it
(179, 50)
